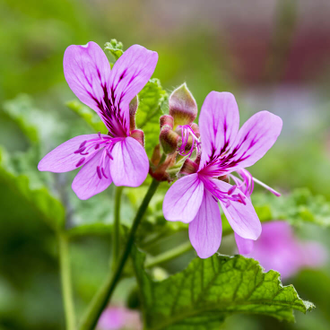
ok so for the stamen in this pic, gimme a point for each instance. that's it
(109, 154)
(186, 130)
(104, 173)
(80, 150)
(97, 146)
(231, 190)
(80, 161)
(83, 144)
(98, 171)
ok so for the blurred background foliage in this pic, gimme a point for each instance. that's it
(272, 54)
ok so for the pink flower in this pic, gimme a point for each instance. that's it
(194, 198)
(117, 318)
(278, 249)
(116, 157)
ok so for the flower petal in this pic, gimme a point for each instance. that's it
(182, 201)
(130, 164)
(62, 158)
(87, 182)
(218, 124)
(206, 229)
(244, 246)
(87, 72)
(242, 218)
(129, 75)
(255, 138)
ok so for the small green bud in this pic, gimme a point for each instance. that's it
(182, 106)
(115, 48)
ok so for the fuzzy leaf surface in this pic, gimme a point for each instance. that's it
(209, 290)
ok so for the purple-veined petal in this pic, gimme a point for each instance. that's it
(206, 229)
(182, 201)
(87, 182)
(62, 158)
(254, 139)
(87, 72)
(129, 75)
(242, 217)
(244, 245)
(218, 124)
(130, 165)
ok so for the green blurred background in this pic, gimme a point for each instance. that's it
(272, 54)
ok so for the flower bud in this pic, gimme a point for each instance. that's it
(138, 135)
(168, 140)
(132, 111)
(182, 106)
(166, 120)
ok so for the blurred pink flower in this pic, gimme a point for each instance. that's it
(118, 318)
(278, 249)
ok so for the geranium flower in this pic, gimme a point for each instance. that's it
(194, 198)
(116, 157)
(278, 249)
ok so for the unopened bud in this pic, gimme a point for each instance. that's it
(166, 120)
(182, 106)
(168, 140)
(132, 111)
(138, 135)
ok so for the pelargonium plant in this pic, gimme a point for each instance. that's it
(196, 170)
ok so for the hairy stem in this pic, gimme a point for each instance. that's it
(66, 282)
(116, 228)
(103, 296)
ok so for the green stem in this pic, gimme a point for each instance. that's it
(102, 297)
(66, 282)
(168, 255)
(175, 252)
(116, 228)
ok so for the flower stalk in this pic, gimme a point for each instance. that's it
(103, 296)
(116, 227)
(66, 282)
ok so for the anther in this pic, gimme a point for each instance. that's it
(98, 171)
(231, 190)
(80, 161)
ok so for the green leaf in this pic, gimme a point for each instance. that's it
(208, 290)
(152, 103)
(36, 124)
(49, 208)
(115, 48)
(90, 116)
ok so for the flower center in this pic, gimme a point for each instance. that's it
(88, 148)
(234, 194)
(186, 132)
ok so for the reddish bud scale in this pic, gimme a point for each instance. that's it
(132, 111)
(189, 167)
(138, 135)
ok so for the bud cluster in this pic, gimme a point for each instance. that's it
(179, 137)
